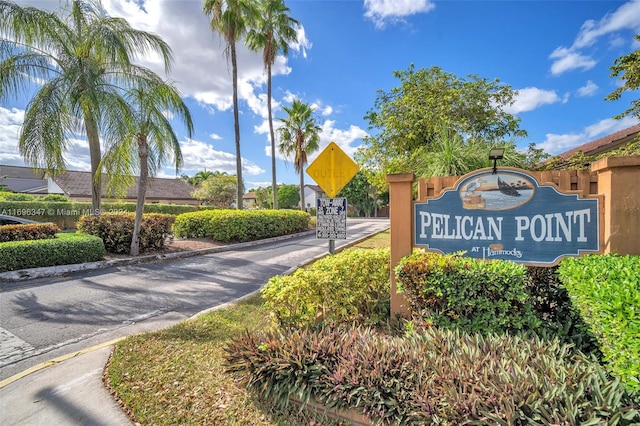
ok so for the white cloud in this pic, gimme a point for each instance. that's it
(626, 17)
(199, 156)
(588, 89)
(215, 137)
(382, 12)
(556, 144)
(568, 59)
(531, 98)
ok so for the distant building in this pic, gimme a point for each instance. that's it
(311, 194)
(77, 186)
(249, 200)
(599, 146)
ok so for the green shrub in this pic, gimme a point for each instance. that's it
(606, 290)
(116, 230)
(38, 231)
(65, 214)
(240, 225)
(437, 376)
(470, 294)
(350, 286)
(14, 196)
(65, 249)
(560, 318)
(55, 197)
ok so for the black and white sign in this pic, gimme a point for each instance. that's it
(331, 214)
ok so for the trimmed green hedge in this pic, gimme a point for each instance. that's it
(351, 286)
(461, 292)
(240, 225)
(66, 214)
(65, 249)
(606, 290)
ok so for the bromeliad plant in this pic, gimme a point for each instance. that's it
(436, 376)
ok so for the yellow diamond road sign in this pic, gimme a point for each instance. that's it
(332, 169)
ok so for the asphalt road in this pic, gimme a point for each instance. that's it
(48, 317)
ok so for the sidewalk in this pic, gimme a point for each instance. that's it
(68, 393)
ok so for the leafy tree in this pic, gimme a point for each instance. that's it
(150, 142)
(412, 116)
(198, 178)
(264, 197)
(82, 56)
(288, 196)
(232, 19)
(299, 136)
(628, 68)
(218, 190)
(361, 194)
(273, 32)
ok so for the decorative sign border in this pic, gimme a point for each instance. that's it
(510, 216)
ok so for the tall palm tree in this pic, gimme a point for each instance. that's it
(232, 19)
(82, 57)
(273, 32)
(149, 143)
(299, 136)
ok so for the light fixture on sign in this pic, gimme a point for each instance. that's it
(496, 154)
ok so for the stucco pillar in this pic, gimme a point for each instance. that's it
(401, 221)
(619, 183)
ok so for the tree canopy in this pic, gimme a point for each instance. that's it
(218, 190)
(410, 120)
(627, 68)
(288, 196)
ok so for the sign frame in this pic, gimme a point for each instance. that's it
(331, 218)
(509, 215)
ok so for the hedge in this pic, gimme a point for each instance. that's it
(240, 225)
(65, 249)
(66, 214)
(351, 286)
(606, 290)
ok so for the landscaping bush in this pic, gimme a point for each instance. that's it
(55, 197)
(437, 376)
(560, 318)
(38, 231)
(65, 214)
(14, 196)
(64, 249)
(116, 230)
(240, 225)
(351, 286)
(460, 292)
(606, 290)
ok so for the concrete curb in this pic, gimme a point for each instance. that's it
(53, 271)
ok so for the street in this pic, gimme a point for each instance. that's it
(49, 317)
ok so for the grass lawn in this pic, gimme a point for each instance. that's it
(176, 376)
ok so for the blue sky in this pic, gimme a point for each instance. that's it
(557, 54)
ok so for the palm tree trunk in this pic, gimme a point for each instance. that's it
(302, 204)
(234, 67)
(142, 192)
(274, 185)
(91, 127)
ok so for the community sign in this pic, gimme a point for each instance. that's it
(508, 215)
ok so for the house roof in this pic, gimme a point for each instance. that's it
(249, 196)
(78, 184)
(606, 143)
(314, 188)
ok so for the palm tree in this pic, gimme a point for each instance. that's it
(272, 34)
(232, 19)
(299, 136)
(82, 57)
(149, 143)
